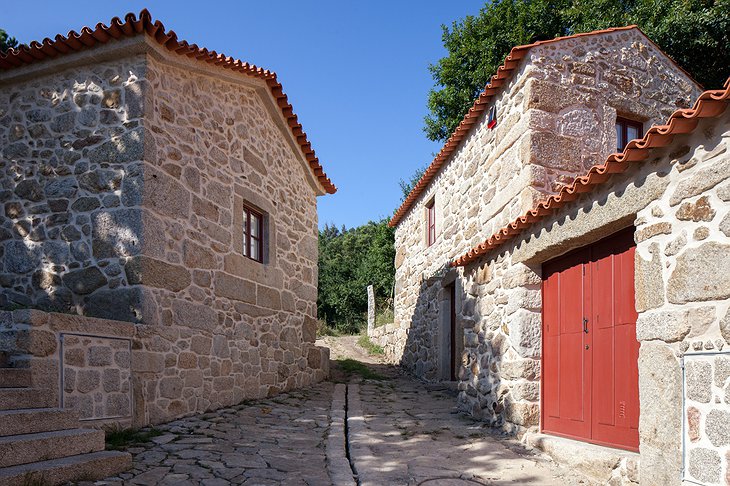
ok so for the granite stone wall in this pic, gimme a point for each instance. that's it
(683, 296)
(69, 143)
(677, 202)
(123, 185)
(556, 119)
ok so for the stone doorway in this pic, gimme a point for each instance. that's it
(452, 340)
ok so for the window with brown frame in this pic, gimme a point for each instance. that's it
(253, 234)
(627, 130)
(431, 220)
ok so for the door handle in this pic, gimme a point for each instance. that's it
(585, 325)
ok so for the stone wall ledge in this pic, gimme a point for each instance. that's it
(74, 323)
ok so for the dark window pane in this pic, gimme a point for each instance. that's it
(632, 132)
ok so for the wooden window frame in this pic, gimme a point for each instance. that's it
(431, 222)
(248, 212)
(625, 123)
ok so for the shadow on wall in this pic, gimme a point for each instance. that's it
(442, 343)
(71, 192)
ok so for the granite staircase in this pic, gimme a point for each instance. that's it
(43, 444)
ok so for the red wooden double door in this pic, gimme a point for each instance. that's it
(590, 372)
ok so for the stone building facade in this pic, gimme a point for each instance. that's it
(130, 167)
(541, 185)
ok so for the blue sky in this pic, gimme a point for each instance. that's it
(355, 72)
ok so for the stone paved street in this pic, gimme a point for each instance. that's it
(412, 435)
(269, 442)
(399, 432)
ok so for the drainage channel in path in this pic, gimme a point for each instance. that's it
(339, 460)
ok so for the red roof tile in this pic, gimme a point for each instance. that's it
(503, 73)
(709, 104)
(132, 26)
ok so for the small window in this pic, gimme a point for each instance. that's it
(253, 234)
(627, 130)
(431, 220)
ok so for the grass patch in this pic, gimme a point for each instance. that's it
(119, 439)
(34, 479)
(353, 367)
(369, 346)
(324, 329)
(384, 316)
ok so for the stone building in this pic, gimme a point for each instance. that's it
(159, 226)
(589, 234)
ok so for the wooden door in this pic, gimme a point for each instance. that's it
(454, 359)
(590, 352)
(566, 363)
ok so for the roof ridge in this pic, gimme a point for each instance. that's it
(495, 82)
(710, 103)
(144, 24)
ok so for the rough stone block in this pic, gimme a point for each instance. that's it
(701, 274)
(195, 256)
(700, 210)
(171, 387)
(164, 194)
(268, 298)
(525, 333)
(662, 228)
(528, 369)
(116, 233)
(234, 288)
(704, 465)
(693, 423)
(701, 180)
(196, 316)
(717, 427)
(85, 280)
(660, 420)
(123, 304)
(100, 356)
(699, 381)
(668, 326)
(144, 270)
(649, 282)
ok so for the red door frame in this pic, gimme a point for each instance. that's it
(624, 239)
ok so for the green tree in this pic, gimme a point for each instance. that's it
(695, 33)
(7, 42)
(349, 261)
(406, 186)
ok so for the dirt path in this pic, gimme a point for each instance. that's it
(344, 347)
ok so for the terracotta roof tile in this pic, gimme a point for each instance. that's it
(709, 104)
(482, 102)
(132, 26)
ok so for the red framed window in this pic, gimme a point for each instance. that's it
(253, 234)
(431, 219)
(627, 130)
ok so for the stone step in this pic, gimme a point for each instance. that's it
(84, 467)
(20, 398)
(15, 378)
(43, 446)
(34, 420)
(596, 462)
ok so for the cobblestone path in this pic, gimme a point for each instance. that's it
(279, 441)
(389, 431)
(403, 432)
